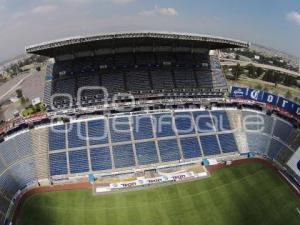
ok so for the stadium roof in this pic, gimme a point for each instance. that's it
(132, 39)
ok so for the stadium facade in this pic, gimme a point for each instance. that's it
(164, 103)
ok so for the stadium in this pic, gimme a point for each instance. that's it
(143, 128)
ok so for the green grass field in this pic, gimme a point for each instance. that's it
(244, 194)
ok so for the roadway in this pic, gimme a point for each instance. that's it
(232, 62)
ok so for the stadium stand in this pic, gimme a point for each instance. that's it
(169, 72)
(142, 127)
(119, 129)
(78, 160)
(57, 137)
(54, 151)
(228, 143)
(146, 153)
(190, 147)
(123, 156)
(169, 150)
(282, 129)
(58, 163)
(164, 125)
(210, 145)
(203, 122)
(184, 123)
(100, 158)
(97, 132)
(156, 70)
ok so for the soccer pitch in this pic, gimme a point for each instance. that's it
(240, 194)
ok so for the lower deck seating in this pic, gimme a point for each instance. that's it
(76, 133)
(258, 142)
(100, 158)
(146, 153)
(169, 150)
(163, 125)
(8, 185)
(97, 132)
(119, 129)
(220, 120)
(210, 145)
(55, 153)
(203, 121)
(274, 148)
(282, 129)
(123, 156)
(142, 127)
(284, 155)
(58, 163)
(24, 172)
(57, 137)
(190, 147)
(78, 160)
(184, 123)
(228, 143)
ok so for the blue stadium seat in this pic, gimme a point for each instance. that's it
(24, 144)
(282, 129)
(210, 145)
(221, 120)
(257, 122)
(98, 132)
(203, 122)
(164, 126)
(57, 138)
(8, 152)
(76, 135)
(146, 153)
(184, 123)
(169, 150)
(274, 148)
(24, 172)
(123, 156)
(190, 147)
(100, 158)
(258, 142)
(142, 127)
(2, 167)
(268, 124)
(78, 161)
(58, 163)
(119, 129)
(4, 204)
(228, 143)
(8, 185)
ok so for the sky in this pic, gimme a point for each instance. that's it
(272, 23)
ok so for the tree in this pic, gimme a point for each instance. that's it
(275, 77)
(238, 71)
(258, 87)
(251, 70)
(19, 93)
(259, 71)
(288, 94)
(265, 88)
(23, 100)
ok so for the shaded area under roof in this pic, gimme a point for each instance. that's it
(132, 40)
